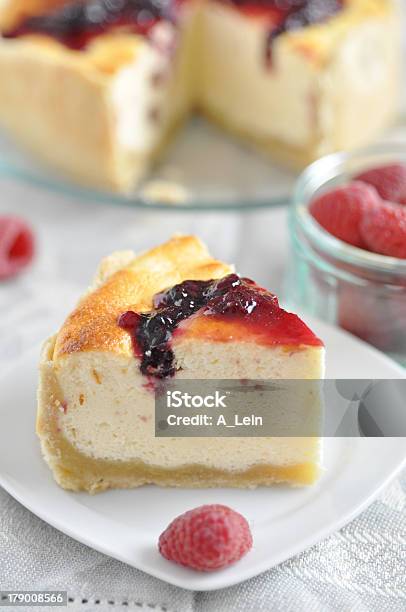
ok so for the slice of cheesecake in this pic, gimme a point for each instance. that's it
(173, 312)
(96, 87)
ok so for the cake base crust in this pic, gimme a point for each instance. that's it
(78, 472)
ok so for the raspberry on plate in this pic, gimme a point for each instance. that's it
(389, 181)
(340, 210)
(16, 246)
(384, 230)
(206, 538)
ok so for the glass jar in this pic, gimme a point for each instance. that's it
(362, 292)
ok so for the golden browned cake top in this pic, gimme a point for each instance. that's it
(92, 326)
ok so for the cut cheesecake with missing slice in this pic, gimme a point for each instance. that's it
(172, 312)
(96, 87)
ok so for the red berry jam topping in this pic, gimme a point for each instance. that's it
(231, 298)
(77, 23)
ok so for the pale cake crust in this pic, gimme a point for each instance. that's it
(69, 85)
(122, 282)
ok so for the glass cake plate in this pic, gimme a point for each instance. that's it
(203, 169)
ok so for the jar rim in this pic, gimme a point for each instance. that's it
(334, 166)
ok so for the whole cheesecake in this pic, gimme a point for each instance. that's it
(97, 88)
(171, 313)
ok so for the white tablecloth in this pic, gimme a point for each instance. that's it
(361, 568)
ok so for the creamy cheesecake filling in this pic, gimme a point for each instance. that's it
(369, 71)
(141, 92)
(310, 112)
(274, 105)
(96, 422)
(106, 411)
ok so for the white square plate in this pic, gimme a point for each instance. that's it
(126, 524)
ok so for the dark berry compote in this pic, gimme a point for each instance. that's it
(80, 21)
(230, 300)
(287, 15)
